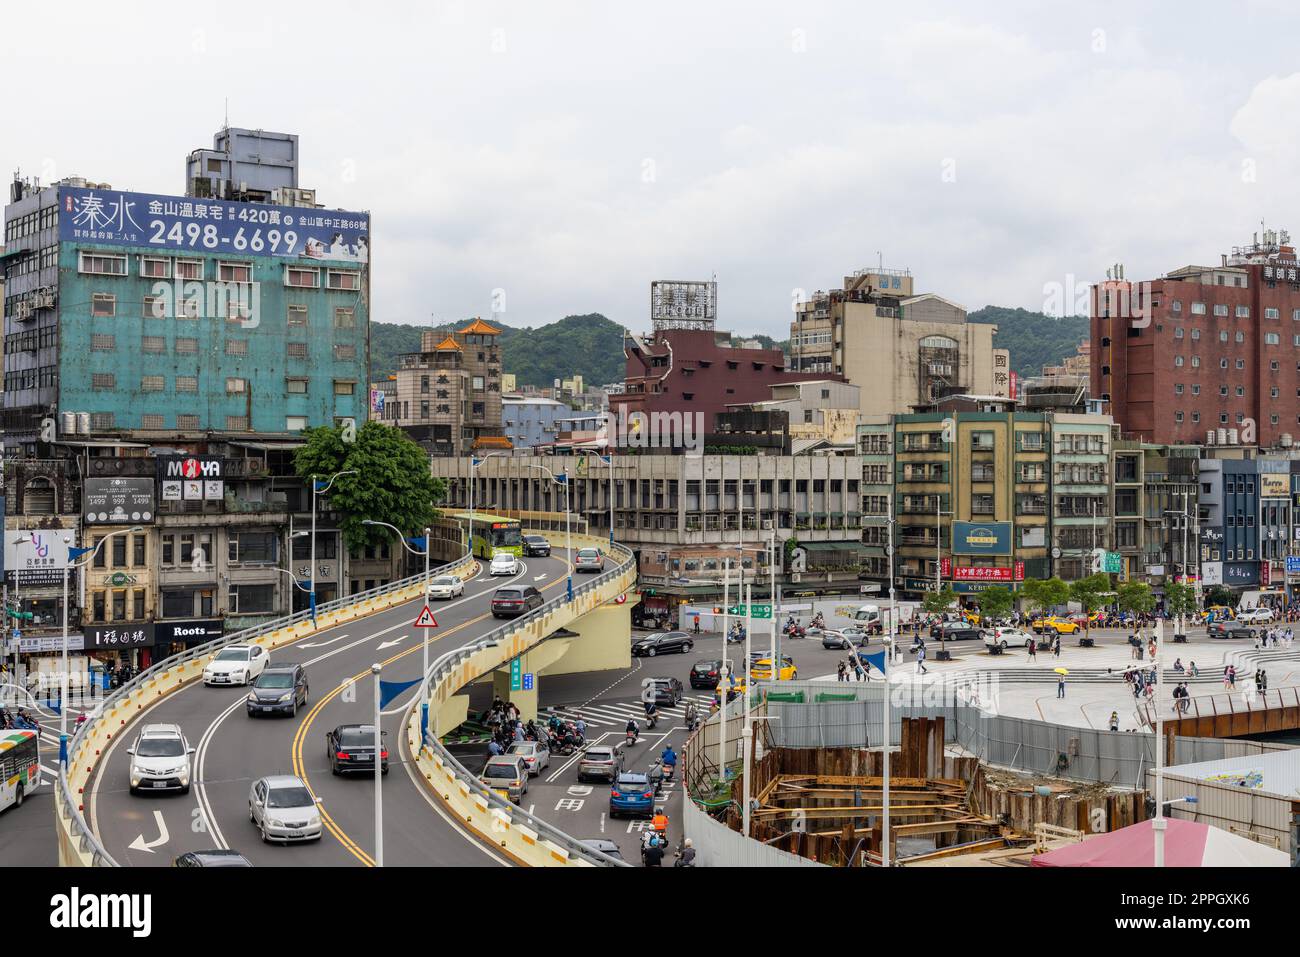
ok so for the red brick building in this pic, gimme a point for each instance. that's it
(1203, 349)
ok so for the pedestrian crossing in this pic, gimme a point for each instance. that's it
(616, 713)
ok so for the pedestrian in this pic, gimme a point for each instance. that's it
(1227, 682)
(1191, 670)
(1056, 646)
(1263, 681)
(858, 673)
(841, 672)
(1032, 647)
(1114, 720)
(696, 626)
(1232, 676)
(494, 748)
(1060, 686)
(920, 659)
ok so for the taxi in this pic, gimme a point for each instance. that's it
(761, 670)
(1052, 623)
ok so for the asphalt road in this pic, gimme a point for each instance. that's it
(234, 749)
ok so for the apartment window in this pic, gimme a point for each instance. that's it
(99, 264)
(1221, 310)
(1270, 312)
(1176, 307)
(152, 422)
(345, 352)
(1243, 312)
(119, 551)
(236, 386)
(152, 267)
(1272, 420)
(236, 347)
(102, 420)
(188, 309)
(424, 409)
(345, 387)
(981, 504)
(152, 383)
(1178, 362)
(187, 422)
(1178, 333)
(342, 279)
(1178, 417)
(187, 383)
(1196, 390)
(235, 272)
(1223, 335)
(189, 269)
(345, 318)
(155, 307)
(301, 278)
(477, 385)
(252, 599)
(1178, 388)
(981, 441)
(1241, 363)
(295, 423)
(297, 315)
(236, 423)
(103, 381)
(186, 345)
(295, 386)
(1223, 390)
(297, 350)
(102, 342)
(1241, 337)
(1241, 391)
(1223, 363)
(103, 305)
(1196, 417)
(1271, 338)
(1198, 309)
(153, 345)
(1223, 418)
(1196, 335)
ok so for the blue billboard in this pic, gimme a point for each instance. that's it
(981, 538)
(189, 224)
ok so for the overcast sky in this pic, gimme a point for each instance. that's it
(569, 153)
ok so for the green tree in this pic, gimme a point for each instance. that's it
(1137, 598)
(1040, 594)
(392, 484)
(1091, 593)
(937, 602)
(1180, 600)
(994, 603)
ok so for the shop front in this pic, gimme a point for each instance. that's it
(173, 637)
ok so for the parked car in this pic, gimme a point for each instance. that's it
(668, 691)
(599, 761)
(446, 586)
(632, 794)
(507, 775)
(536, 545)
(504, 563)
(589, 560)
(845, 638)
(605, 846)
(1261, 615)
(214, 858)
(281, 688)
(536, 755)
(761, 670)
(1005, 638)
(705, 674)
(283, 809)
(1231, 629)
(160, 760)
(511, 601)
(235, 665)
(1056, 625)
(957, 631)
(351, 747)
(661, 643)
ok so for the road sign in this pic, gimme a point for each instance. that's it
(426, 619)
(740, 611)
(1293, 564)
(528, 681)
(516, 675)
(1113, 563)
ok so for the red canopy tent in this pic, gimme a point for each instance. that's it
(1187, 844)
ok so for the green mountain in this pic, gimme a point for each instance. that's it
(590, 346)
(1034, 338)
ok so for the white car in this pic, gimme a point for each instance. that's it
(503, 563)
(446, 586)
(160, 759)
(1005, 638)
(283, 809)
(236, 665)
(1260, 614)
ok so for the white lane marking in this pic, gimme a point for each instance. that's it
(140, 844)
(389, 644)
(321, 644)
(538, 578)
(200, 786)
(602, 822)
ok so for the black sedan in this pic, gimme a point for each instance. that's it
(957, 631)
(536, 545)
(705, 674)
(1231, 629)
(662, 643)
(351, 747)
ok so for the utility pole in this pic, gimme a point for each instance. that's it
(885, 739)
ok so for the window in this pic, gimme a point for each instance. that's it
(1198, 309)
(1178, 362)
(189, 269)
(1241, 337)
(149, 421)
(236, 347)
(137, 604)
(187, 422)
(186, 346)
(103, 304)
(236, 386)
(119, 551)
(344, 387)
(1196, 416)
(477, 384)
(1270, 312)
(252, 548)
(1223, 335)
(1243, 312)
(235, 272)
(1241, 363)
(103, 380)
(102, 420)
(187, 383)
(236, 423)
(1223, 363)
(1271, 339)
(152, 267)
(252, 599)
(155, 307)
(297, 350)
(1221, 310)
(345, 318)
(1241, 390)
(342, 279)
(1176, 306)
(295, 423)
(1178, 416)
(1178, 334)
(1196, 390)
(1178, 388)
(297, 315)
(295, 386)
(101, 342)
(1196, 335)
(345, 352)
(100, 264)
(152, 383)
(301, 278)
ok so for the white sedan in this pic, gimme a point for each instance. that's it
(1005, 638)
(446, 586)
(283, 809)
(1258, 615)
(503, 563)
(236, 665)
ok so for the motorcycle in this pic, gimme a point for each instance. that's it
(795, 630)
(668, 771)
(652, 719)
(631, 738)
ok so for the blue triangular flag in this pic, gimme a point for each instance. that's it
(417, 541)
(74, 552)
(876, 661)
(388, 690)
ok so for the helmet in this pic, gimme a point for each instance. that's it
(687, 843)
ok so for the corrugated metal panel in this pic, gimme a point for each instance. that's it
(1264, 817)
(1280, 771)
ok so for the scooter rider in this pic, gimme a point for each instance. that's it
(632, 730)
(692, 716)
(651, 713)
(669, 759)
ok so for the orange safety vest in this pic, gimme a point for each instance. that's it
(660, 822)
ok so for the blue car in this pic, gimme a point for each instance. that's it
(632, 793)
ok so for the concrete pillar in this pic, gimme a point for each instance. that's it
(525, 701)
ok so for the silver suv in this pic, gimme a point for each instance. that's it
(507, 774)
(160, 759)
(599, 761)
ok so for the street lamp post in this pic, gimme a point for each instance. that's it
(563, 479)
(379, 777)
(317, 488)
(474, 464)
(428, 547)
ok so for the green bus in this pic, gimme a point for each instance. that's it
(492, 533)
(20, 766)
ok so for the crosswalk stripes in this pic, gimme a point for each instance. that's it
(616, 713)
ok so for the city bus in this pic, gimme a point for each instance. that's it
(20, 766)
(492, 533)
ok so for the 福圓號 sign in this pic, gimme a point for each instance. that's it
(178, 224)
(981, 538)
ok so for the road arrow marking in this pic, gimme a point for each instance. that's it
(140, 844)
(538, 578)
(389, 644)
(321, 644)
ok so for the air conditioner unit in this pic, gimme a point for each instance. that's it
(44, 298)
(23, 309)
